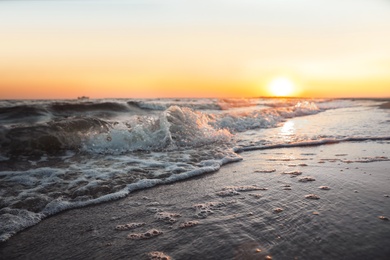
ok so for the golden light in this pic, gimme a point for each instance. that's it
(281, 87)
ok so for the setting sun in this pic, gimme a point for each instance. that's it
(281, 87)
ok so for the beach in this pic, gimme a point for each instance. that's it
(195, 130)
(251, 209)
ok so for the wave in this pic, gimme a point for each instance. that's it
(264, 118)
(52, 137)
(88, 107)
(22, 114)
(174, 128)
(17, 219)
(161, 105)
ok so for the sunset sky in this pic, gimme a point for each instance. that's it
(193, 48)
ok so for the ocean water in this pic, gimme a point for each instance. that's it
(61, 154)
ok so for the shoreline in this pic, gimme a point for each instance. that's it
(243, 222)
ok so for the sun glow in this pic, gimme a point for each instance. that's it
(281, 87)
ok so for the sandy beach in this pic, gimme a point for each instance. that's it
(253, 209)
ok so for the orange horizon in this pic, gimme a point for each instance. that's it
(159, 94)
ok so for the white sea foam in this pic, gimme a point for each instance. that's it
(174, 127)
(87, 184)
(263, 118)
(15, 220)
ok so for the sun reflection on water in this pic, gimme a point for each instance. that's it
(287, 131)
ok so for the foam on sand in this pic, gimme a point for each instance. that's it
(235, 190)
(266, 171)
(293, 173)
(312, 197)
(167, 217)
(277, 210)
(306, 179)
(189, 224)
(129, 226)
(146, 235)
(155, 255)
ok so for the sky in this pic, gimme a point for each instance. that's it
(193, 48)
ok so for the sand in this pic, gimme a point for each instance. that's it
(258, 219)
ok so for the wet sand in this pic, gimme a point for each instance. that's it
(247, 210)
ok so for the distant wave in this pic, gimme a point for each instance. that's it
(88, 106)
(22, 113)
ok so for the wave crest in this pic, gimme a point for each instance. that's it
(175, 127)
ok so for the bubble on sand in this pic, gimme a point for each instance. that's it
(158, 256)
(148, 234)
(256, 195)
(202, 210)
(302, 164)
(234, 190)
(129, 226)
(266, 171)
(372, 159)
(383, 218)
(316, 213)
(277, 210)
(226, 193)
(324, 188)
(167, 217)
(268, 257)
(306, 179)
(279, 159)
(312, 197)
(189, 224)
(244, 188)
(293, 173)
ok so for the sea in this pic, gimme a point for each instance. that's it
(57, 155)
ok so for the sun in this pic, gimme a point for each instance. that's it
(281, 87)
